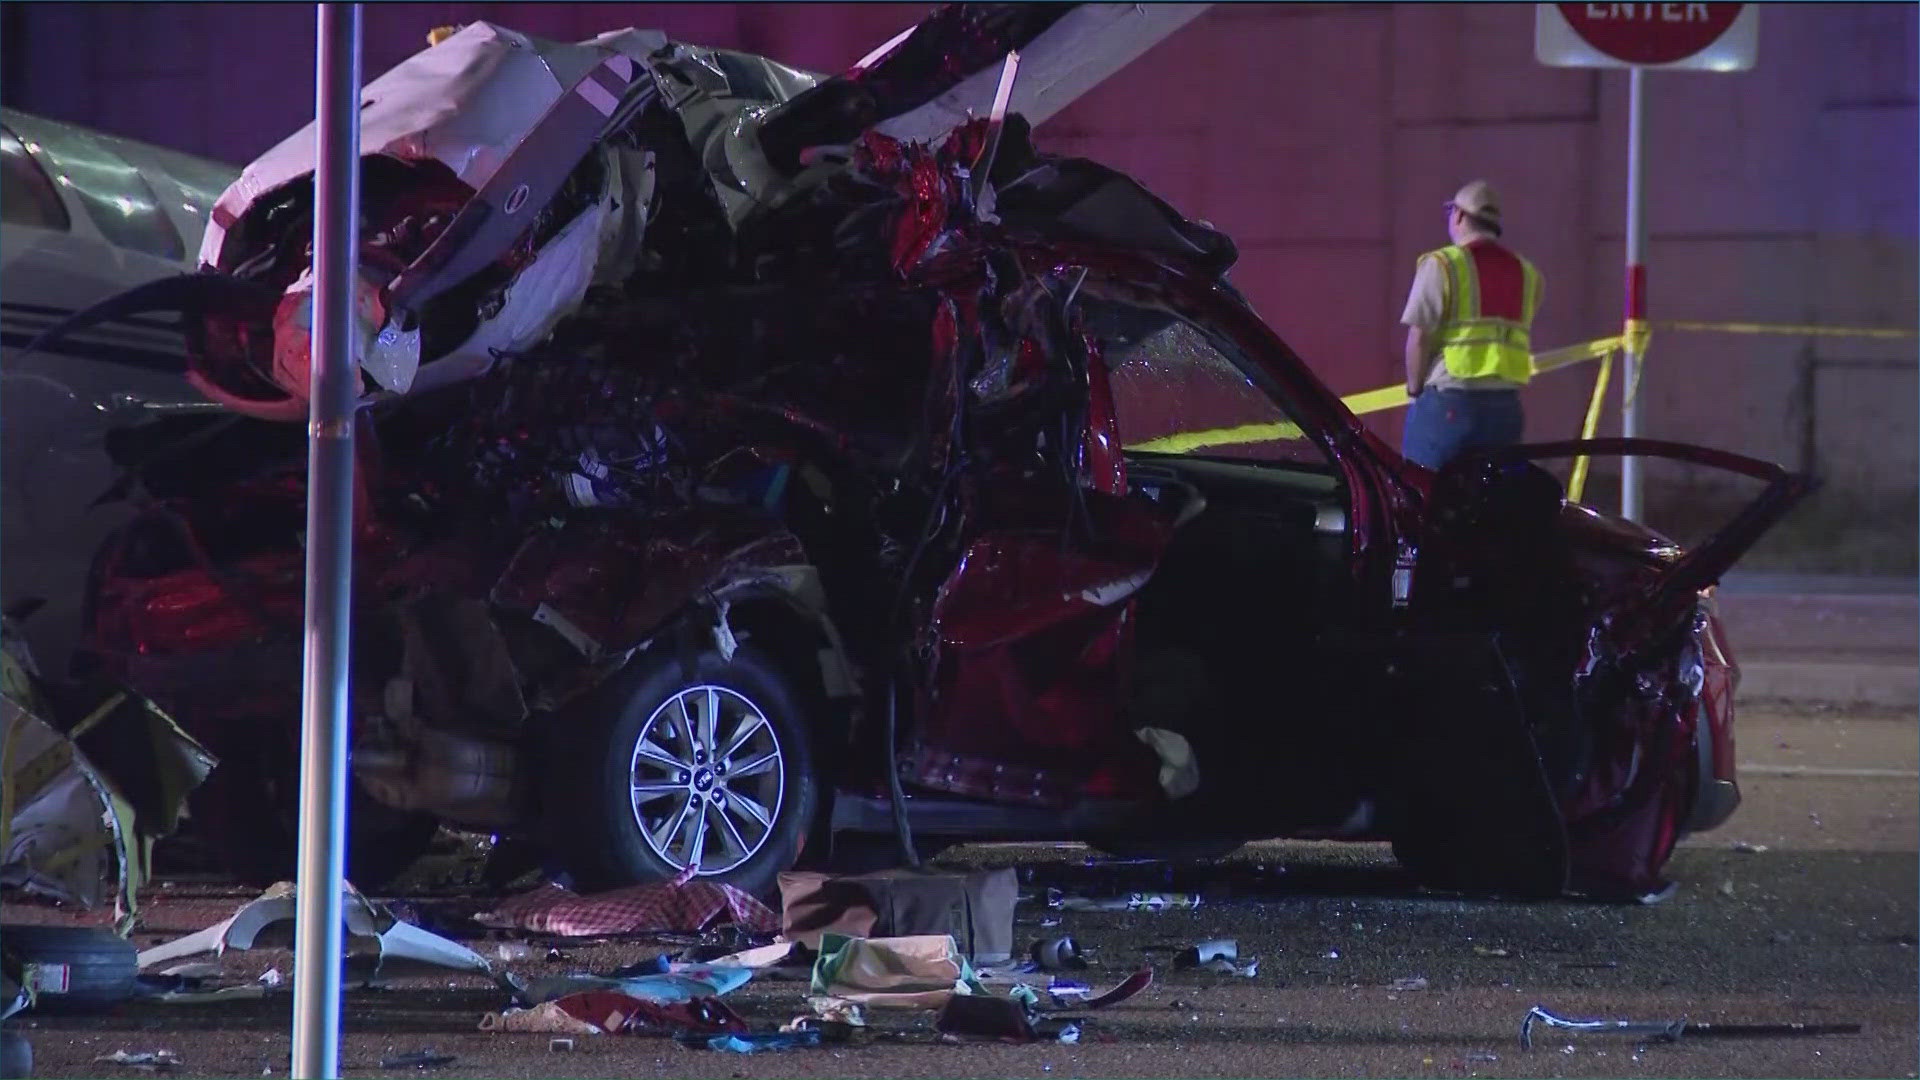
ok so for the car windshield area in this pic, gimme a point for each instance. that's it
(1177, 391)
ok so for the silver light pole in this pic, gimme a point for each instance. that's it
(1636, 290)
(323, 751)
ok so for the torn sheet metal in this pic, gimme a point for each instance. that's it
(370, 929)
(466, 102)
(81, 801)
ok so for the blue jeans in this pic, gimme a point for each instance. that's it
(1443, 424)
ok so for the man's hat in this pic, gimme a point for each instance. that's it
(1477, 199)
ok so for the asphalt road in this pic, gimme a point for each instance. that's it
(1802, 908)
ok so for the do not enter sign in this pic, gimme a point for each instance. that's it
(1714, 37)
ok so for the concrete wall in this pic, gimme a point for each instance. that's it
(1324, 138)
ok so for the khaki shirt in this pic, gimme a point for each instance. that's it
(1426, 307)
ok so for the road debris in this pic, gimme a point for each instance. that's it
(1057, 954)
(760, 1041)
(93, 775)
(1498, 952)
(689, 983)
(1139, 901)
(1672, 1030)
(145, 1061)
(371, 930)
(1220, 956)
(683, 905)
(558, 1046)
(975, 909)
(609, 1012)
(419, 1059)
(907, 972)
(1745, 848)
(1409, 985)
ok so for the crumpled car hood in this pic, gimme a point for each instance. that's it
(479, 109)
(466, 102)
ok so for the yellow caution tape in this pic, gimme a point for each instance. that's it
(1789, 329)
(1635, 337)
(1577, 483)
(1366, 401)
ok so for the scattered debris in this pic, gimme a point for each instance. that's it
(271, 978)
(609, 1012)
(1671, 1031)
(907, 972)
(1128, 987)
(370, 929)
(975, 909)
(1408, 985)
(1746, 848)
(93, 776)
(145, 1061)
(555, 1046)
(419, 1059)
(760, 1041)
(1208, 951)
(1067, 990)
(682, 905)
(1057, 954)
(1500, 952)
(984, 1016)
(691, 982)
(1129, 902)
(1221, 957)
(508, 952)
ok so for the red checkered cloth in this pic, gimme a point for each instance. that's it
(668, 907)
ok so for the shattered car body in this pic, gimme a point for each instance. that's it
(735, 474)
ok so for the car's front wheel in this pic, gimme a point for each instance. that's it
(671, 766)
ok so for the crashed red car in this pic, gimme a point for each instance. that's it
(751, 458)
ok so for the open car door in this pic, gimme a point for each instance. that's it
(1539, 716)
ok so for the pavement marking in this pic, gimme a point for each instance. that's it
(1759, 769)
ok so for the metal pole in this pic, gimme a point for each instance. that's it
(323, 752)
(1636, 298)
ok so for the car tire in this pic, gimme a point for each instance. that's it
(633, 732)
(101, 965)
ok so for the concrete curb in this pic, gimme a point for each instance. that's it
(1889, 685)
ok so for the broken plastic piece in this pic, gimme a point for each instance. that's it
(145, 1061)
(764, 1040)
(370, 928)
(1130, 902)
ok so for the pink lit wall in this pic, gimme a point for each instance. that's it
(1324, 138)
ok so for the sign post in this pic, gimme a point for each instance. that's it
(1697, 37)
(323, 744)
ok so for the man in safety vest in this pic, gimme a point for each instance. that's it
(1469, 319)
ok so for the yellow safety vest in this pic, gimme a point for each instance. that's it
(1477, 343)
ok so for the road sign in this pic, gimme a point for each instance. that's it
(1700, 37)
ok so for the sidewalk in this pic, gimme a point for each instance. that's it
(1836, 647)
